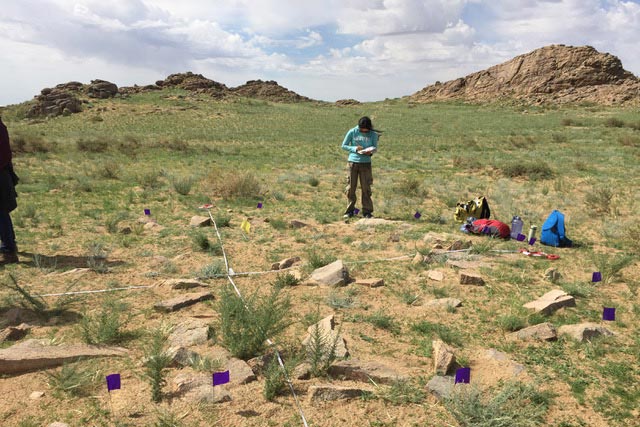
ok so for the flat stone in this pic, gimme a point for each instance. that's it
(418, 259)
(465, 265)
(356, 370)
(471, 279)
(443, 357)
(181, 356)
(15, 333)
(328, 336)
(551, 301)
(285, 263)
(208, 394)
(189, 333)
(58, 424)
(240, 372)
(330, 392)
(584, 331)
(184, 284)
(441, 387)
(200, 221)
(443, 303)
(540, 332)
(371, 283)
(436, 275)
(182, 301)
(36, 395)
(334, 274)
(297, 224)
(32, 355)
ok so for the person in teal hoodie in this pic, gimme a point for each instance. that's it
(361, 142)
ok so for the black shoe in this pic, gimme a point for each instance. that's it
(368, 215)
(348, 215)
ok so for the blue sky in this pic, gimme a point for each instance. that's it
(326, 49)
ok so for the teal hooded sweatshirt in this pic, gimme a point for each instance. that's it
(353, 138)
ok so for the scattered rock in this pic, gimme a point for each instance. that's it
(240, 372)
(181, 357)
(15, 333)
(183, 301)
(58, 424)
(443, 357)
(551, 301)
(371, 283)
(356, 370)
(330, 392)
(32, 355)
(36, 395)
(327, 336)
(184, 284)
(438, 276)
(189, 333)
(465, 265)
(418, 259)
(297, 224)
(334, 274)
(443, 303)
(101, 89)
(208, 394)
(471, 279)
(302, 371)
(584, 331)
(552, 275)
(441, 387)
(344, 102)
(200, 221)
(540, 332)
(285, 263)
(268, 91)
(459, 245)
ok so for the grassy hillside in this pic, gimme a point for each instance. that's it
(86, 177)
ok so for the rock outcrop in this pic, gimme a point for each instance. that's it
(551, 74)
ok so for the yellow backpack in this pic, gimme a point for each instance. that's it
(477, 208)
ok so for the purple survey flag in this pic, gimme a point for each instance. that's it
(609, 313)
(260, 205)
(220, 378)
(596, 277)
(356, 211)
(113, 382)
(532, 241)
(417, 215)
(147, 211)
(521, 237)
(463, 375)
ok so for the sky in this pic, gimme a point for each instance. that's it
(367, 50)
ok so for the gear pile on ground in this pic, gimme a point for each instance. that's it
(555, 74)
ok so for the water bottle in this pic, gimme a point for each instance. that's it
(532, 232)
(516, 227)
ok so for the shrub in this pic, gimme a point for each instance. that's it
(285, 280)
(92, 145)
(183, 185)
(246, 325)
(69, 380)
(383, 321)
(611, 266)
(236, 184)
(614, 122)
(321, 350)
(537, 170)
(104, 327)
(275, 380)
(110, 169)
(156, 363)
(516, 404)
(402, 392)
(317, 260)
(32, 144)
(426, 328)
(598, 200)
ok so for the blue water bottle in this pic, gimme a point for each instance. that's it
(516, 227)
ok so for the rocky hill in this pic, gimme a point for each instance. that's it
(552, 74)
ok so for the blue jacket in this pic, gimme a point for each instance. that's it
(553, 232)
(353, 138)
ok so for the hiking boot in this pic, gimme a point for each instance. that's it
(368, 215)
(348, 215)
(8, 258)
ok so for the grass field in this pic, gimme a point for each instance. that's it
(86, 176)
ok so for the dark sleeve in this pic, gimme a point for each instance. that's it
(5, 147)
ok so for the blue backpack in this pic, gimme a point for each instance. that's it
(553, 232)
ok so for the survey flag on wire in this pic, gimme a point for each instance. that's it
(220, 378)
(245, 226)
(113, 382)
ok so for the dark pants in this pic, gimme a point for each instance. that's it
(359, 172)
(7, 235)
